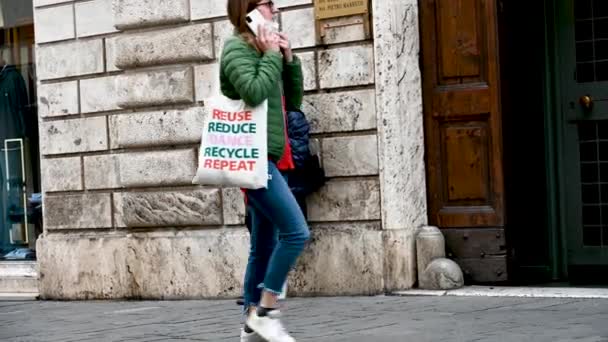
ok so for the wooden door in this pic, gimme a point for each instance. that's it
(461, 91)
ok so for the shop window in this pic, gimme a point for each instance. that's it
(20, 199)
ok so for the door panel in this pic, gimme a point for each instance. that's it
(463, 129)
(462, 116)
(583, 35)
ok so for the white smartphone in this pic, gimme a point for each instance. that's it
(255, 19)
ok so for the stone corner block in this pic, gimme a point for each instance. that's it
(346, 66)
(98, 94)
(78, 211)
(101, 172)
(350, 156)
(54, 23)
(155, 88)
(73, 136)
(341, 262)
(70, 59)
(171, 46)
(58, 99)
(345, 200)
(143, 13)
(300, 27)
(61, 174)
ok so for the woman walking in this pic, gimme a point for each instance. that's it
(255, 69)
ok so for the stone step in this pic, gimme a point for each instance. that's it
(18, 285)
(18, 277)
(18, 269)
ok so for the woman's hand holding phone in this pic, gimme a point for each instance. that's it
(267, 40)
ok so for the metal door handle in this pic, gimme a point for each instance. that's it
(586, 102)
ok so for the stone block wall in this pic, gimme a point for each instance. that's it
(122, 85)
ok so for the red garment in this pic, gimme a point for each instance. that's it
(286, 161)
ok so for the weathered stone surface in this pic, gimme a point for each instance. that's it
(345, 201)
(119, 221)
(58, 99)
(38, 3)
(207, 80)
(340, 261)
(175, 45)
(163, 265)
(142, 13)
(101, 172)
(341, 112)
(430, 245)
(287, 3)
(157, 168)
(233, 202)
(98, 94)
(350, 156)
(204, 9)
(167, 127)
(69, 59)
(77, 211)
(399, 259)
(442, 274)
(309, 70)
(54, 23)
(399, 112)
(170, 209)
(94, 17)
(299, 25)
(63, 174)
(221, 30)
(155, 88)
(347, 66)
(111, 54)
(343, 30)
(71, 136)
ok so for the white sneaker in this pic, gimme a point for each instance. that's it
(250, 337)
(269, 327)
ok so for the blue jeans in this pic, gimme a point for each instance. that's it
(278, 234)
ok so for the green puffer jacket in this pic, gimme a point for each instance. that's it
(253, 77)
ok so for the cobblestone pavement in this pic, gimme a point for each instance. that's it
(376, 319)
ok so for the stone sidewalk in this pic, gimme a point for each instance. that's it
(377, 319)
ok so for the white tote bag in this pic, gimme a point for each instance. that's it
(234, 151)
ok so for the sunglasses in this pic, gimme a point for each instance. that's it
(270, 4)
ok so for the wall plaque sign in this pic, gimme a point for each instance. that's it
(326, 9)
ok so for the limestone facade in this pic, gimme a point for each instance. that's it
(122, 85)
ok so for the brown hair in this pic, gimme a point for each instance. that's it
(237, 12)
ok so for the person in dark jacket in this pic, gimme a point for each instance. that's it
(307, 175)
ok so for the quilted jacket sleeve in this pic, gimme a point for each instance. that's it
(253, 76)
(294, 84)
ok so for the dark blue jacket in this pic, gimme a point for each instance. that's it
(298, 131)
(308, 175)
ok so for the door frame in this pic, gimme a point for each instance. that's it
(554, 144)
